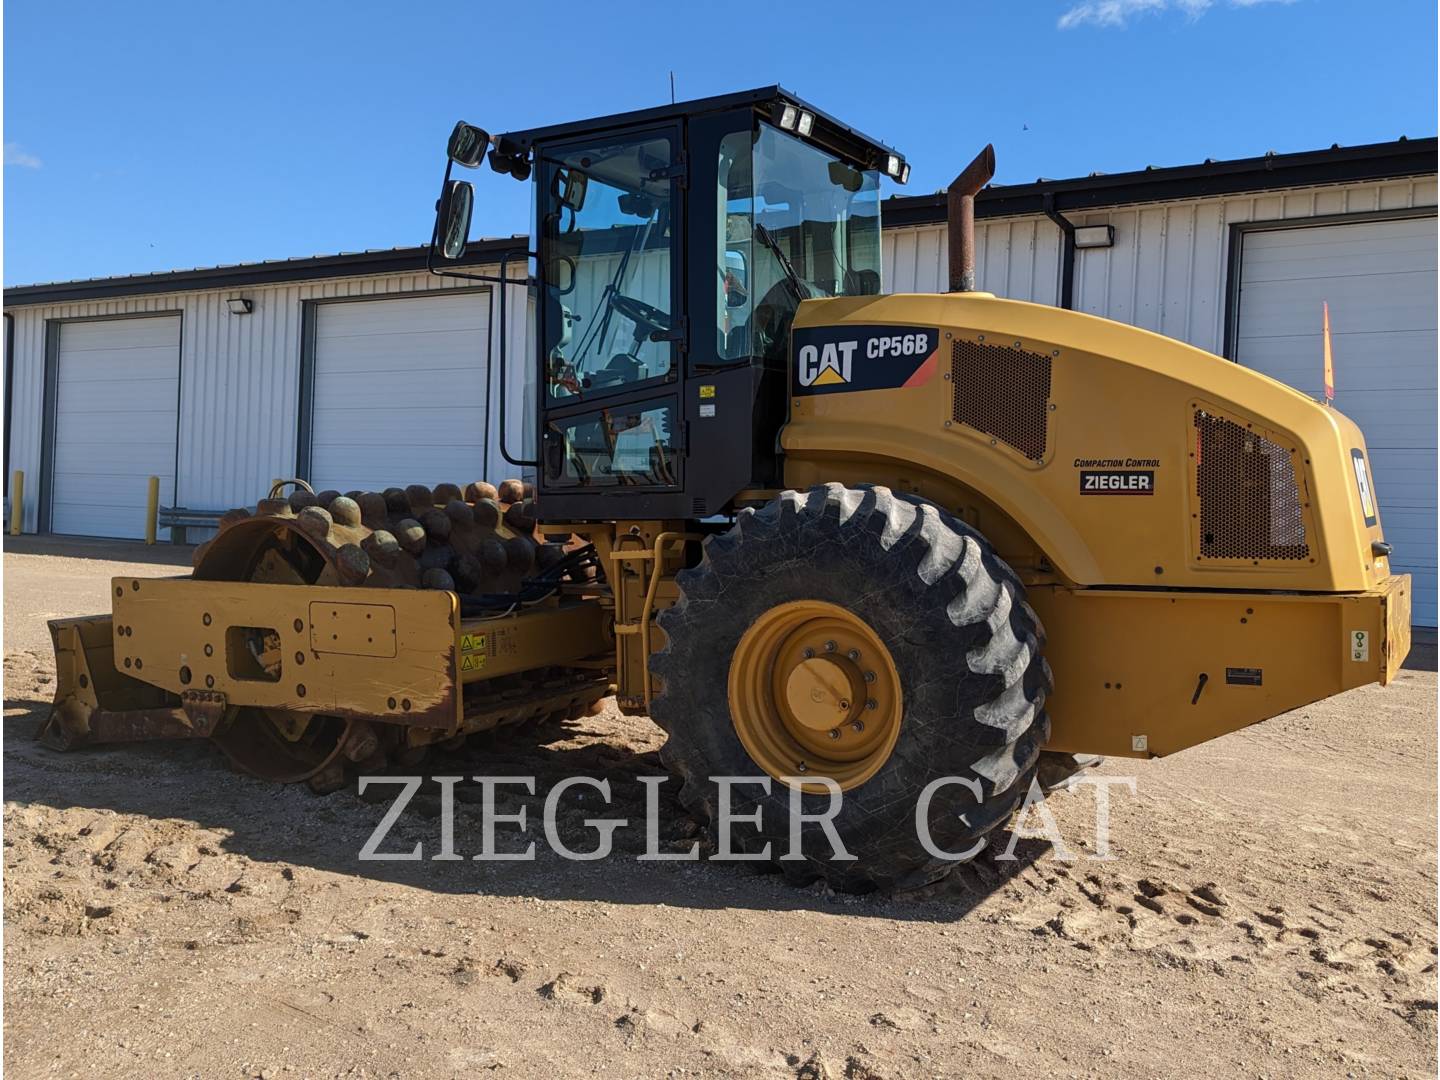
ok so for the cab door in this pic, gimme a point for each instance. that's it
(611, 330)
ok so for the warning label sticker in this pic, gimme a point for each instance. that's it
(472, 642)
(1362, 481)
(1360, 645)
(471, 662)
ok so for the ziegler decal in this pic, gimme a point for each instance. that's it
(1118, 482)
(834, 359)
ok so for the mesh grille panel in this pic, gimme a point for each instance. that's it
(1003, 392)
(1250, 504)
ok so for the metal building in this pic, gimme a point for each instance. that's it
(350, 370)
(365, 371)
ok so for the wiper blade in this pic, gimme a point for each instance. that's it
(797, 287)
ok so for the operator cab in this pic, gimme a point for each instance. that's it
(672, 248)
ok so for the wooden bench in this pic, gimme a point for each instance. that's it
(179, 518)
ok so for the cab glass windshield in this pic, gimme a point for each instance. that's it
(794, 223)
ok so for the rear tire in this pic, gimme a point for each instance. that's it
(965, 645)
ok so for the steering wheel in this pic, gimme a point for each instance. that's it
(644, 316)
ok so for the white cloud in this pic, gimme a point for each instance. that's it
(1117, 13)
(17, 155)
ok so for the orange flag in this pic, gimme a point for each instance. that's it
(1329, 362)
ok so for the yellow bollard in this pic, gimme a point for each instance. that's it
(152, 509)
(17, 502)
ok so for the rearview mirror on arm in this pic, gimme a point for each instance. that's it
(467, 145)
(452, 218)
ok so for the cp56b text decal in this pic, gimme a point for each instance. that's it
(835, 359)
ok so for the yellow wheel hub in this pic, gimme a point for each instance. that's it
(814, 692)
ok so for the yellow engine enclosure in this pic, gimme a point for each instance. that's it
(1155, 645)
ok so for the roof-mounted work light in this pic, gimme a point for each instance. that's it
(793, 118)
(510, 157)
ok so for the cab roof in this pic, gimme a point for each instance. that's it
(832, 134)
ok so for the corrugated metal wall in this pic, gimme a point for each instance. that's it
(1167, 270)
(239, 380)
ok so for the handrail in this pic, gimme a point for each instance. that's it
(504, 344)
(277, 486)
(656, 570)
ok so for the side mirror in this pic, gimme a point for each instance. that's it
(468, 144)
(452, 218)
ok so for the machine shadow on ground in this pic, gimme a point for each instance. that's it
(271, 823)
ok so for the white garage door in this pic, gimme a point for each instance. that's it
(116, 406)
(1379, 280)
(400, 392)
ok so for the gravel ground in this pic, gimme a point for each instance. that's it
(1269, 910)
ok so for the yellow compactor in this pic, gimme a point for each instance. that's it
(846, 540)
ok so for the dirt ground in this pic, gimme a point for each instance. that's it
(1270, 911)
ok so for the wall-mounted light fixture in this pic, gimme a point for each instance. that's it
(238, 305)
(1094, 236)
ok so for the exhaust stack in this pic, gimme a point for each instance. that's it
(960, 215)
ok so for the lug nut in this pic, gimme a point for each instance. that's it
(853, 654)
(869, 676)
(808, 653)
(834, 733)
(872, 704)
(858, 726)
(800, 767)
(830, 646)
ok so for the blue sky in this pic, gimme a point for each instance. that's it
(163, 135)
